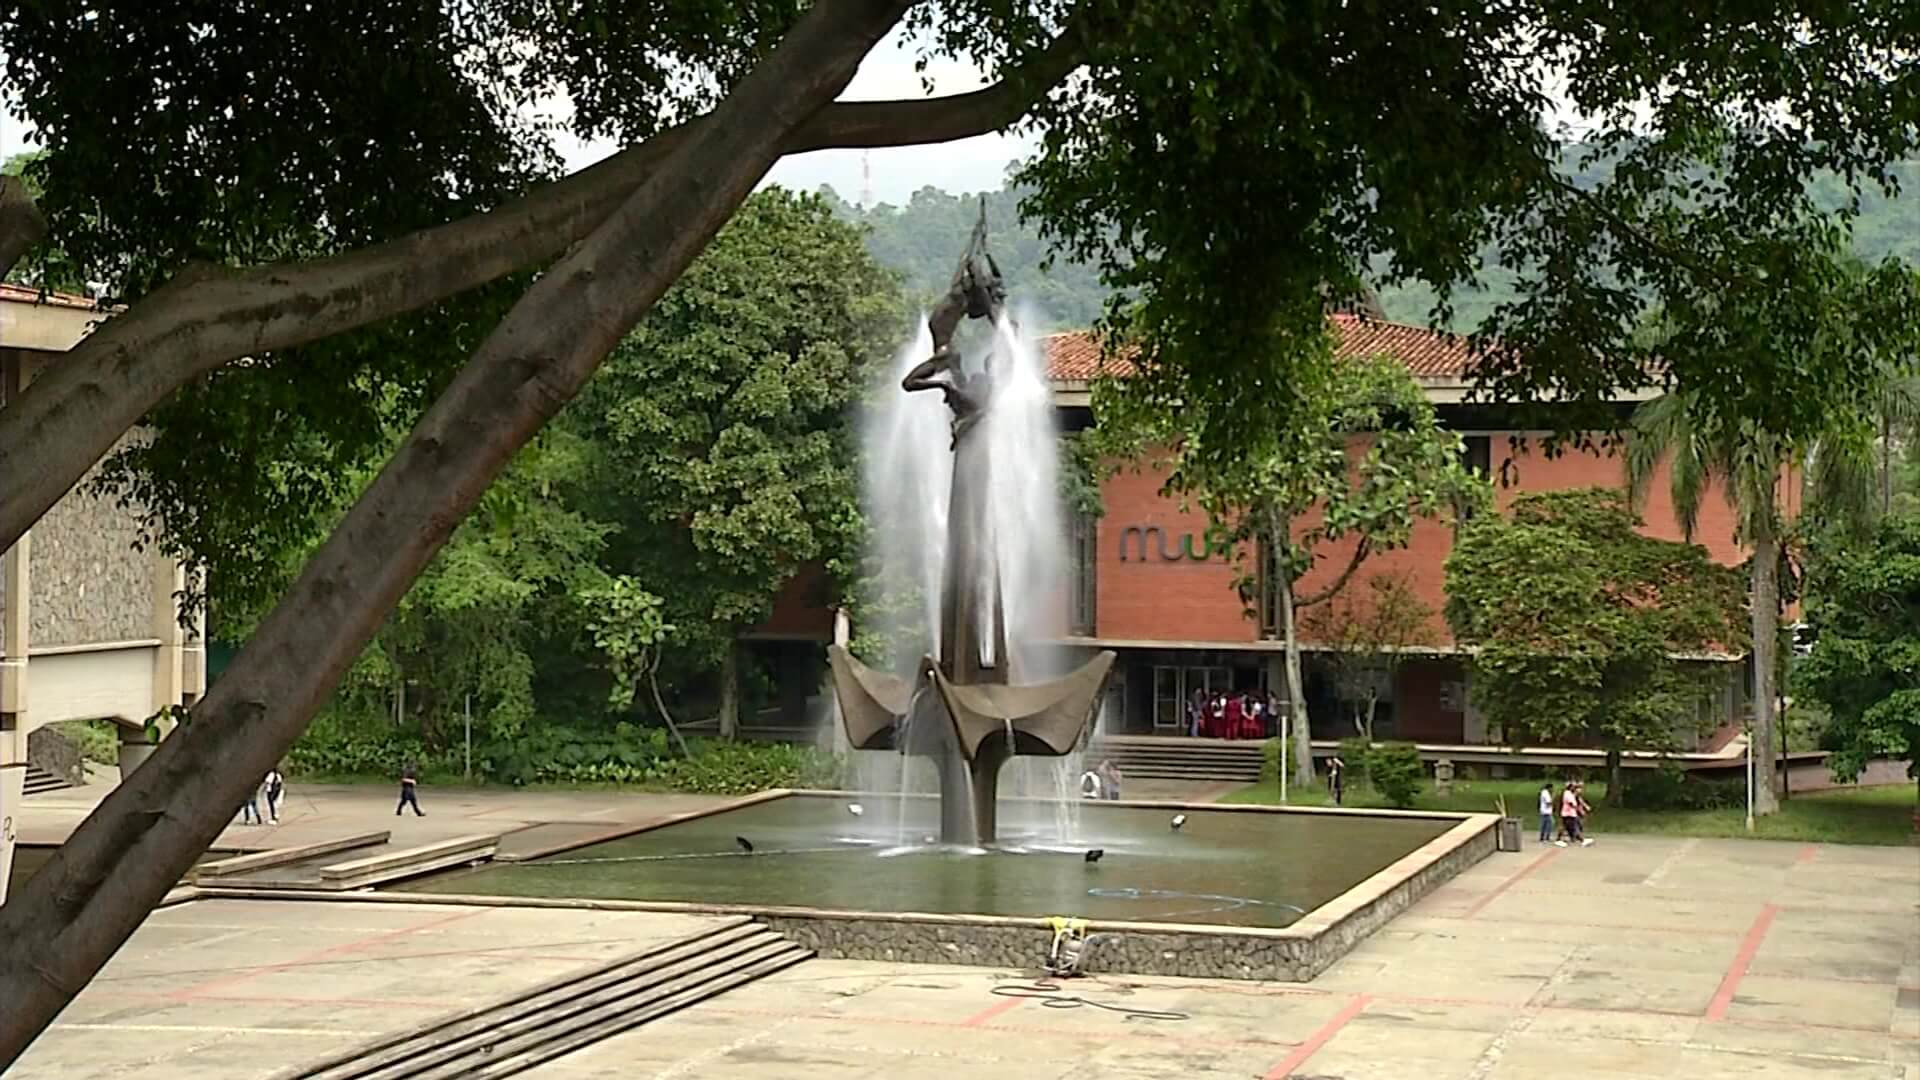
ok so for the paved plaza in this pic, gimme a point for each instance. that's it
(1641, 957)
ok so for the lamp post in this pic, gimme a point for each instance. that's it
(1749, 731)
(1285, 744)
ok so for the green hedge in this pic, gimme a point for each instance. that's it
(1396, 771)
(1670, 788)
(623, 754)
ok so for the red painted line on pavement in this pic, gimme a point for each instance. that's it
(321, 954)
(1318, 1039)
(992, 1011)
(1494, 893)
(1808, 853)
(1749, 947)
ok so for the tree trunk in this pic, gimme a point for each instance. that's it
(1616, 792)
(1296, 694)
(1886, 460)
(21, 226)
(730, 691)
(660, 703)
(72, 916)
(1279, 534)
(204, 318)
(1765, 604)
(1373, 703)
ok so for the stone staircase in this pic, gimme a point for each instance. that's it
(1155, 757)
(557, 1018)
(40, 781)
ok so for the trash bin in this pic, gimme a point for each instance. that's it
(1509, 835)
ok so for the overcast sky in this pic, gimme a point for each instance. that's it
(978, 164)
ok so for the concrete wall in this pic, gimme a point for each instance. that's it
(89, 584)
(1294, 954)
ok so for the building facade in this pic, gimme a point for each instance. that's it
(1144, 583)
(90, 627)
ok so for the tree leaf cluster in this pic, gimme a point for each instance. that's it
(1863, 605)
(1579, 624)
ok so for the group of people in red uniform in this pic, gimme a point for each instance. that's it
(1239, 715)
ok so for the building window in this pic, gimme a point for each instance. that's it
(1083, 547)
(1476, 453)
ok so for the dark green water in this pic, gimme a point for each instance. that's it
(1242, 869)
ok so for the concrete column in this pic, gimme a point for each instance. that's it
(169, 675)
(1474, 724)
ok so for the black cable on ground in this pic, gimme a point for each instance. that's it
(1049, 995)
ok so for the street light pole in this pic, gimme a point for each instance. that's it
(1286, 744)
(1749, 774)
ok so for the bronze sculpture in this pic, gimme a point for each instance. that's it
(962, 709)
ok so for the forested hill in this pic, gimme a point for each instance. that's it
(922, 240)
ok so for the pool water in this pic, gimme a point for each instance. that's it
(1231, 868)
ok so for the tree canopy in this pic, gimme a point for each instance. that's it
(1362, 458)
(723, 424)
(1863, 604)
(258, 180)
(1580, 624)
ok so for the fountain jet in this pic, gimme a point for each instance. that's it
(963, 709)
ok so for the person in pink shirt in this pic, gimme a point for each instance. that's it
(1570, 804)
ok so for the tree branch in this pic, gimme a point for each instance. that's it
(21, 223)
(1360, 552)
(133, 847)
(72, 413)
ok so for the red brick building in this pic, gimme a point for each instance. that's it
(1178, 623)
(1176, 620)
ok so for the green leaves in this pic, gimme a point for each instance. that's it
(1863, 603)
(722, 424)
(629, 627)
(1577, 621)
(1360, 448)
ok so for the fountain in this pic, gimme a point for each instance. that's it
(967, 708)
(968, 521)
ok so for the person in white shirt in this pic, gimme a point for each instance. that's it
(276, 786)
(1546, 812)
(1090, 785)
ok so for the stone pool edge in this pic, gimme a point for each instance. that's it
(1295, 953)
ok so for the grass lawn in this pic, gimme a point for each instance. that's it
(1875, 815)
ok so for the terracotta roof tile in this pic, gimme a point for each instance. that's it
(1428, 354)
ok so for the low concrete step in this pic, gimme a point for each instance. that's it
(564, 1015)
(40, 781)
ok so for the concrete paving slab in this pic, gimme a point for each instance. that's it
(1640, 958)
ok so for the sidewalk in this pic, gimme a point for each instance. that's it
(310, 814)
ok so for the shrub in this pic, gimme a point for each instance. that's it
(1669, 788)
(97, 740)
(1354, 752)
(332, 748)
(1396, 771)
(1275, 755)
(734, 768)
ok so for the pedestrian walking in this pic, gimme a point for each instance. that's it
(276, 786)
(1585, 811)
(1570, 813)
(1109, 780)
(1546, 812)
(1336, 779)
(409, 793)
(250, 809)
